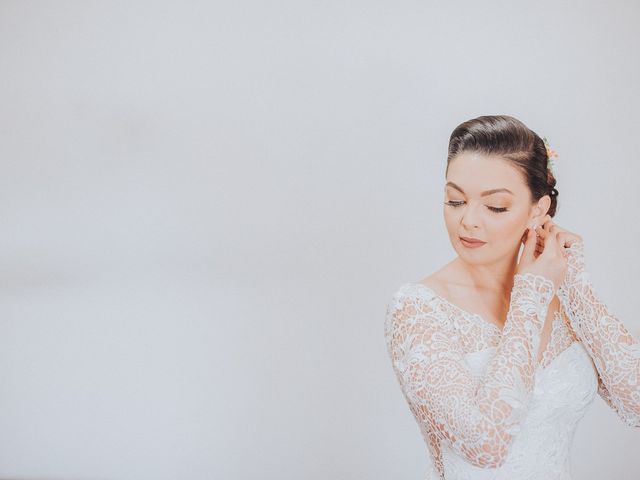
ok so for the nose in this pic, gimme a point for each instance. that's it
(469, 219)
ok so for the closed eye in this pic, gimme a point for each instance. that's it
(493, 209)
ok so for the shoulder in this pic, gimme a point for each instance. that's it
(410, 304)
(415, 315)
(427, 290)
(410, 292)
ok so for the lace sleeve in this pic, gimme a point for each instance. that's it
(615, 352)
(476, 418)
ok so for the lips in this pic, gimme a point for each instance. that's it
(472, 240)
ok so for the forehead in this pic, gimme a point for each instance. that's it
(476, 172)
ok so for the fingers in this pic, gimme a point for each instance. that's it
(540, 238)
(553, 239)
(564, 238)
(546, 233)
(543, 230)
(529, 246)
(539, 245)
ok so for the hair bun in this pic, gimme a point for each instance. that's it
(554, 192)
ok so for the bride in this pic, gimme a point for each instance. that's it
(499, 354)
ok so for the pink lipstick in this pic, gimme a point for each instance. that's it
(471, 242)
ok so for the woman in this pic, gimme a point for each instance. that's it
(499, 354)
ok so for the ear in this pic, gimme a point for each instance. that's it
(541, 208)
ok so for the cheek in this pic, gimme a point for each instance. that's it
(507, 227)
(451, 220)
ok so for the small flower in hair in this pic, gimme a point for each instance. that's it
(550, 153)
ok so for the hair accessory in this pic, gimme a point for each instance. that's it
(550, 153)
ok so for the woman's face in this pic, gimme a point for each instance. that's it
(486, 198)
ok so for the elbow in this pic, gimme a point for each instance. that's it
(495, 460)
(489, 455)
(487, 448)
(500, 459)
(488, 461)
(494, 453)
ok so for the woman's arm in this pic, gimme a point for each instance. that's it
(477, 419)
(615, 352)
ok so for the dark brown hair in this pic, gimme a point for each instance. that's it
(509, 138)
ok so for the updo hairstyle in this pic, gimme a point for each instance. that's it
(509, 138)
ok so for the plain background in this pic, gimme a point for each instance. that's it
(206, 206)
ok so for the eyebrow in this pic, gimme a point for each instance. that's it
(482, 194)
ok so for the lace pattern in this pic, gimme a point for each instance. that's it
(615, 352)
(477, 419)
(484, 408)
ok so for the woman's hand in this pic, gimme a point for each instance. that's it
(566, 237)
(551, 262)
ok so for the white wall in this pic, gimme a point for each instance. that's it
(206, 206)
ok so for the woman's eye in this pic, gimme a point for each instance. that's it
(493, 209)
(497, 209)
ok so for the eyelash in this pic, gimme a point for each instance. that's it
(493, 209)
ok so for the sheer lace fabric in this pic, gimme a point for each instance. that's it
(615, 352)
(484, 404)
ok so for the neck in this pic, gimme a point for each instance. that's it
(496, 277)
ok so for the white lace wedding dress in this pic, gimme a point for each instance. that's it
(485, 406)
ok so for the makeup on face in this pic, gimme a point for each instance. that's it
(471, 244)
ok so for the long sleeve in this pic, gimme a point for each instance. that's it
(614, 351)
(476, 418)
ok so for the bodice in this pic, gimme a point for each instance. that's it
(563, 391)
